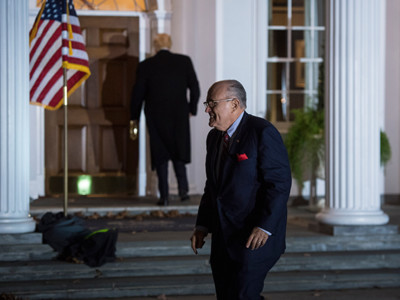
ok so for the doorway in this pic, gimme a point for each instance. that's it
(102, 159)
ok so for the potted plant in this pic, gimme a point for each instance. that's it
(386, 152)
(305, 143)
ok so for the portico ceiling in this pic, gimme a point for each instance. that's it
(113, 5)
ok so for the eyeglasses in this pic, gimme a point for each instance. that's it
(213, 103)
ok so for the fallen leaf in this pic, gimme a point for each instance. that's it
(157, 213)
(173, 213)
(94, 216)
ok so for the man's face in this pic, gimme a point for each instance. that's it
(221, 114)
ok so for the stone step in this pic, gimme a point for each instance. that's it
(310, 244)
(121, 287)
(38, 212)
(194, 265)
(342, 243)
(26, 252)
(22, 252)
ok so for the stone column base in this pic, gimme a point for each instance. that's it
(339, 217)
(354, 230)
(17, 225)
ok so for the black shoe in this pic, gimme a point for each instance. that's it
(163, 202)
(185, 197)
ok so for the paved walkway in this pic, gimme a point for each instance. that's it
(156, 222)
(141, 220)
(359, 294)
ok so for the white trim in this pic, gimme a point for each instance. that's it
(219, 36)
(162, 20)
(260, 46)
(144, 49)
(285, 59)
(109, 13)
(382, 79)
(36, 178)
(298, 92)
(98, 13)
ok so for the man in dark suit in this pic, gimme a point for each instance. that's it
(162, 81)
(244, 204)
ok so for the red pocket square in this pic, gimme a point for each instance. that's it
(241, 157)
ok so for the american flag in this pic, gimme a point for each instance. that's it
(56, 42)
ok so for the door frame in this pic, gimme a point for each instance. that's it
(150, 23)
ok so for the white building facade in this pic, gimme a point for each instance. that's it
(229, 39)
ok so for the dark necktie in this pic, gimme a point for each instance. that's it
(224, 153)
(226, 144)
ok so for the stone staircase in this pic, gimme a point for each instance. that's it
(150, 268)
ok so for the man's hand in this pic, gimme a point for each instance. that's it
(197, 240)
(133, 130)
(257, 239)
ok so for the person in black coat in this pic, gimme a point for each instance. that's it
(162, 82)
(244, 204)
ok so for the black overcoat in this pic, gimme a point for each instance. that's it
(162, 82)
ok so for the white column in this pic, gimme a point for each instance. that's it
(162, 21)
(14, 118)
(36, 132)
(354, 94)
(144, 51)
(36, 127)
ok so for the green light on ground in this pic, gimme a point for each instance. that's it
(84, 185)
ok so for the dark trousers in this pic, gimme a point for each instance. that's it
(181, 177)
(236, 280)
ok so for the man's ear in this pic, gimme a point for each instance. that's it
(235, 104)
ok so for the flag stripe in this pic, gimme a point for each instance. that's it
(77, 34)
(75, 78)
(73, 20)
(77, 46)
(44, 76)
(45, 53)
(45, 29)
(76, 61)
(42, 87)
(46, 97)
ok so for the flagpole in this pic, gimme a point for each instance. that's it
(65, 90)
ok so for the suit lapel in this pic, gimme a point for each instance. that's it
(215, 145)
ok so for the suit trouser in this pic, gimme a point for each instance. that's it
(181, 177)
(236, 280)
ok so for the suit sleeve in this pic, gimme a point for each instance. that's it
(194, 88)
(276, 176)
(205, 212)
(138, 93)
(204, 215)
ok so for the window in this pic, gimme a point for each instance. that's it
(295, 50)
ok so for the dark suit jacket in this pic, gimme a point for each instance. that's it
(249, 193)
(162, 82)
